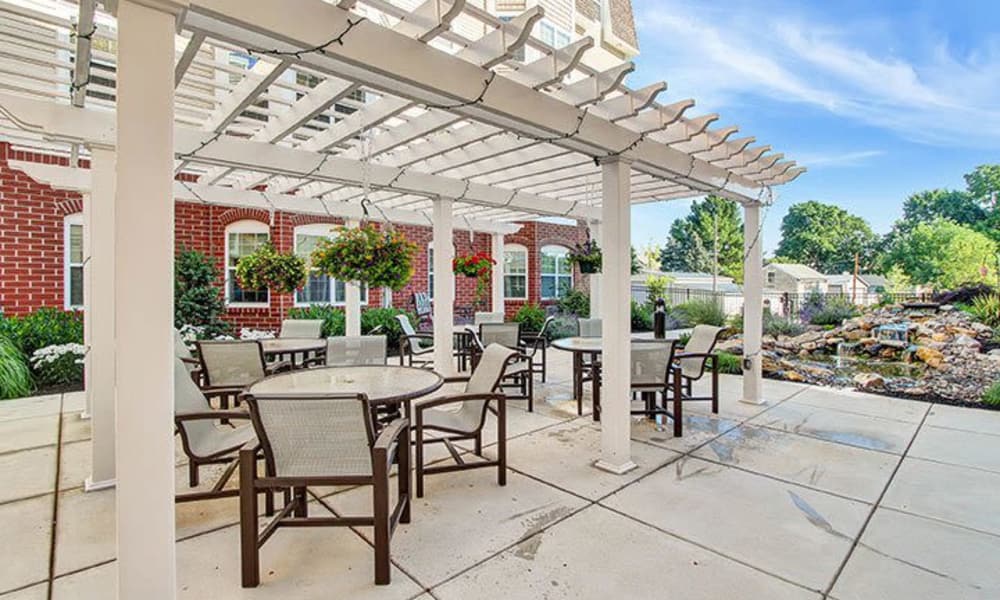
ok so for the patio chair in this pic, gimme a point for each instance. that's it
(321, 440)
(182, 352)
(589, 327)
(695, 358)
(652, 361)
(487, 317)
(534, 345)
(467, 422)
(301, 328)
(345, 351)
(518, 374)
(411, 348)
(228, 366)
(423, 308)
(203, 442)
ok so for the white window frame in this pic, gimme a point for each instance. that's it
(240, 227)
(558, 250)
(511, 248)
(70, 221)
(328, 231)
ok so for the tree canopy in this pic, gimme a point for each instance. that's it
(943, 254)
(691, 240)
(826, 238)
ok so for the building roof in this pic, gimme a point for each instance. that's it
(874, 280)
(798, 271)
(869, 280)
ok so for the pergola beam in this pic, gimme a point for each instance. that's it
(85, 28)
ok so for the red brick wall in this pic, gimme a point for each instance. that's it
(31, 246)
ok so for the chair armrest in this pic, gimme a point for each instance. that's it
(457, 379)
(278, 367)
(419, 408)
(393, 434)
(215, 392)
(213, 415)
(420, 336)
(695, 355)
(316, 360)
(191, 361)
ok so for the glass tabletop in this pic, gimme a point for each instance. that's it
(283, 345)
(593, 344)
(381, 383)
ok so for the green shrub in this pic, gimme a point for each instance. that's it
(15, 377)
(986, 309)
(833, 312)
(386, 317)
(563, 327)
(575, 303)
(683, 339)
(642, 316)
(59, 365)
(656, 287)
(44, 327)
(777, 325)
(333, 318)
(729, 363)
(702, 312)
(197, 300)
(992, 395)
(531, 317)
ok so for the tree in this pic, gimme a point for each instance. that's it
(196, 299)
(983, 183)
(826, 238)
(957, 206)
(944, 254)
(691, 240)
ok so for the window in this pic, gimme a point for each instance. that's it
(320, 288)
(770, 277)
(557, 272)
(73, 261)
(242, 238)
(515, 272)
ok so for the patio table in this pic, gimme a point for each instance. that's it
(591, 346)
(278, 348)
(384, 385)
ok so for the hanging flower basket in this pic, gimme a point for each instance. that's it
(266, 268)
(478, 265)
(367, 255)
(588, 256)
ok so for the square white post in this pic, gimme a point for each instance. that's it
(617, 323)
(595, 278)
(99, 315)
(496, 252)
(753, 304)
(144, 299)
(352, 302)
(444, 286)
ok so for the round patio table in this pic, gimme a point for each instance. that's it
(278, 348)
(382, 384)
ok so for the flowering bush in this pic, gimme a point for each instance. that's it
(478, 265)
(61, 364)
(367, 255)
(255, 334)
(280, 272)
(588, 256)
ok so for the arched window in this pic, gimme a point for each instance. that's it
(242, 238)
(557, 272)
(320, 288)
(73, 261)
(515, 272)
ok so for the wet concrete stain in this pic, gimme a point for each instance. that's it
(680, 473)
(852, 439)
(813, 516)
(725, 447)
(534, 529)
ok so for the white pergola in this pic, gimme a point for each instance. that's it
(448, 127)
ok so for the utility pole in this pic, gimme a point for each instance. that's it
(854, 281)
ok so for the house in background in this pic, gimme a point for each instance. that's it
(792, 278)
(847, 285)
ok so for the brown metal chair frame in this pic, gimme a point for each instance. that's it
(523, 381)
(710, 360)
(535, 344)
(227, 393)
(671, 383)
(391, 445)
(455, 435)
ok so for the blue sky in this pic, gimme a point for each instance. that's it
(878, 99)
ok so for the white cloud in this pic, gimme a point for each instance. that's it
(728, 56)
(838, 159)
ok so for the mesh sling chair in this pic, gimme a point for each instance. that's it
(652, 362)
(301, 328)
(585, 366)
(423, 308)
(487, 317)
(183, 353)
(203, 442)
(693, 360)
(321, 440)
(519, 373)
(534, 345)
(349, 350)
(411, 351)
(229, 366)
(467, 422)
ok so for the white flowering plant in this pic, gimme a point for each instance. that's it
(60, 364)
(255, 334)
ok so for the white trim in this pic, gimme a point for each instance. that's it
(562, 251)
(246, 226)
(527, 271)
(70, 221)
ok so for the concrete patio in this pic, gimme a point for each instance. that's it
(819, 493)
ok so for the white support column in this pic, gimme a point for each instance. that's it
(617, 323)
(496, 251)
(753, 305)
(595, 278)
(144, 299)
(352, 301)
(99, 311)
(444, 286)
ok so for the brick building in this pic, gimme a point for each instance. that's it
(41, 252)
